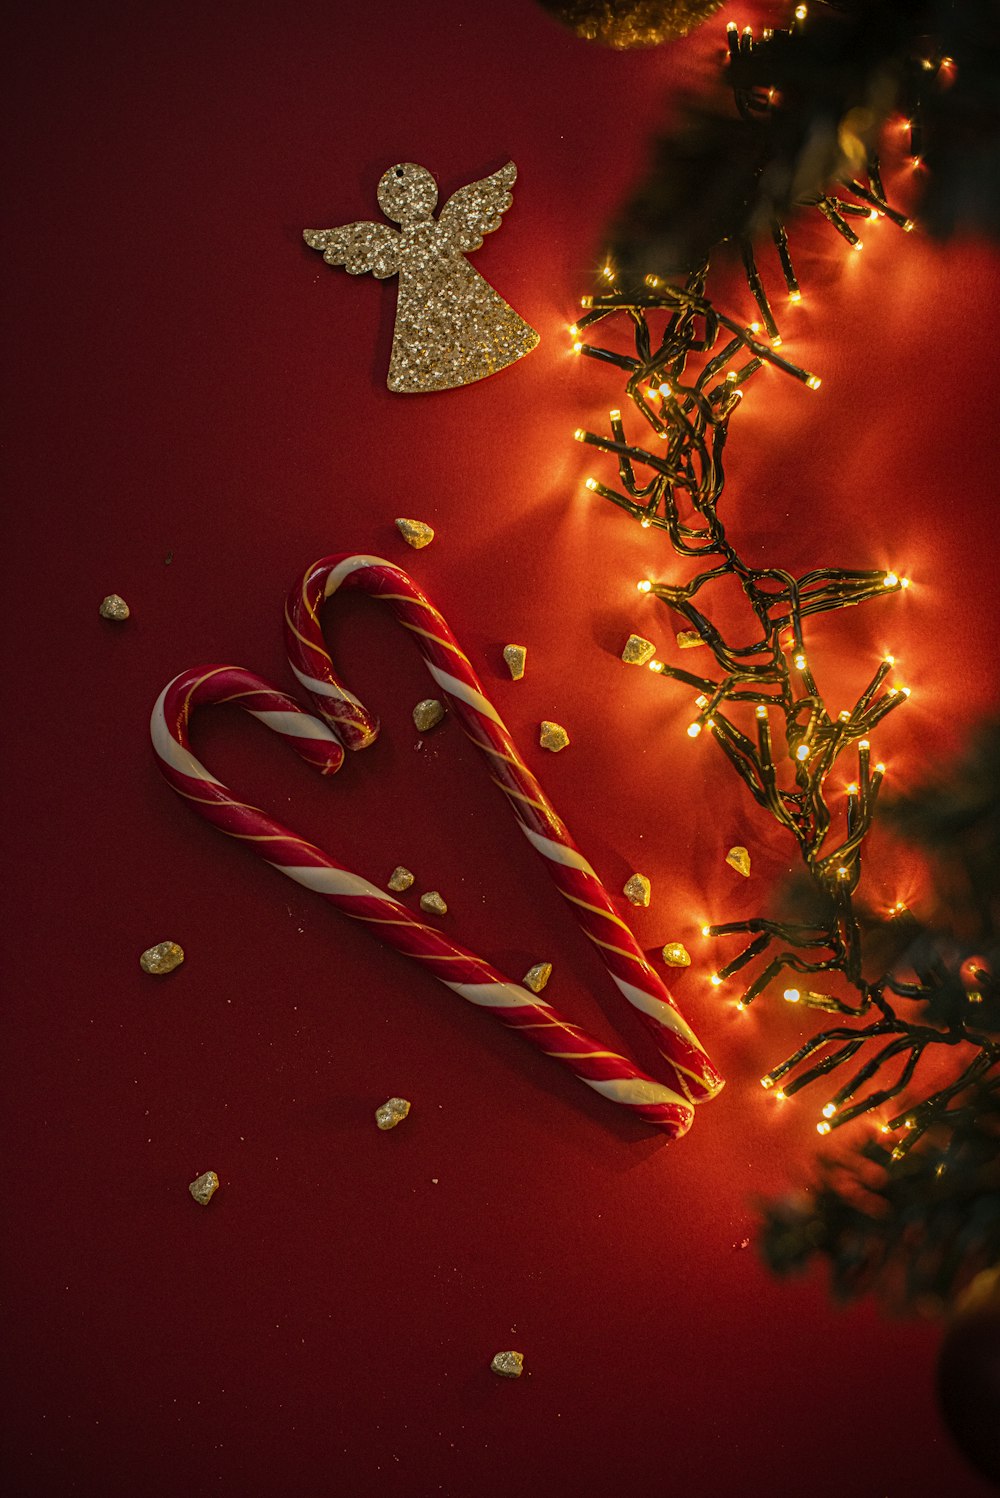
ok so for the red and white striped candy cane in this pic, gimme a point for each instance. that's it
(308, 865)
(537, 818)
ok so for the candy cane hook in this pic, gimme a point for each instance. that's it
(537, 818)
(458, 969)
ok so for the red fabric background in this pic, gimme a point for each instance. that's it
(186, 377)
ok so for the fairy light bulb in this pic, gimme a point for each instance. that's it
(644, 586)
(715, 980)
(694, 729)
(792, 995)
(580, 434)
(590, 484)
(823, 1128)
(858, 244)
(767, 1082)
(578, 348)
(852, 789)
(800, 662)
(829, 1110)
(706, 930)
(802, 752)
(890, 580)
(814, 382)
(657, 666)
(795, 296)
(573, 330)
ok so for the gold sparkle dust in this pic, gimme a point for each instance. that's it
(162, 958)
(536, 977)
(392, 1112)
(204, 1188)
(553, 736)
(638, 651)
(515, 656)
(428, 713)
(676, 954)
(638, 889)
(415, 533)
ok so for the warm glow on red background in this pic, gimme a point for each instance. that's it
(188, 378)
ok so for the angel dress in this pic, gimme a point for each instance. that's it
(451, 326)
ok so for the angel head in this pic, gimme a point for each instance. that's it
(407, 194)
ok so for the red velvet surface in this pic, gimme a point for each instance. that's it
(186, 379)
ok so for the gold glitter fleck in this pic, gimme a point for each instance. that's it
(204, 1188)
(638, 651)
(689, 639)
(536, 977)
(676, 954)
(114, 607)
(427, 713)
(400, 879)
(392, 1112)
(433, 904)
(553, 736)
(515, 656)
(739, 859)
(162, 958)
(508, 1364)
(638, 889)
(451, 326)
(415, 533)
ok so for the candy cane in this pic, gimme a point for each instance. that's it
(456, 968)
(537, 818)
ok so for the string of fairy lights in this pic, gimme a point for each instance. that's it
(685, 376)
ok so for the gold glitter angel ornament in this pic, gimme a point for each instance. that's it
(451, 326)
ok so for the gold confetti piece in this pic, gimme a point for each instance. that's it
(739, 859)
(676, 954)
(553, 736)
(415, 533)
(162, 958)
(400, 879)
(451, 326)
(515, 656)
(433, 903)
(508, 1364)
(204, 1188)
(392, 1112)
(114, 607)
(638, 651)
(687, 639)
(427, 713)
(536, 977)
(638, 889)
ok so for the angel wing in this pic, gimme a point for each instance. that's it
(358, 248)
(477, 209)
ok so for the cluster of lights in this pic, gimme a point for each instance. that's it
(757, 106)
(683, 383)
